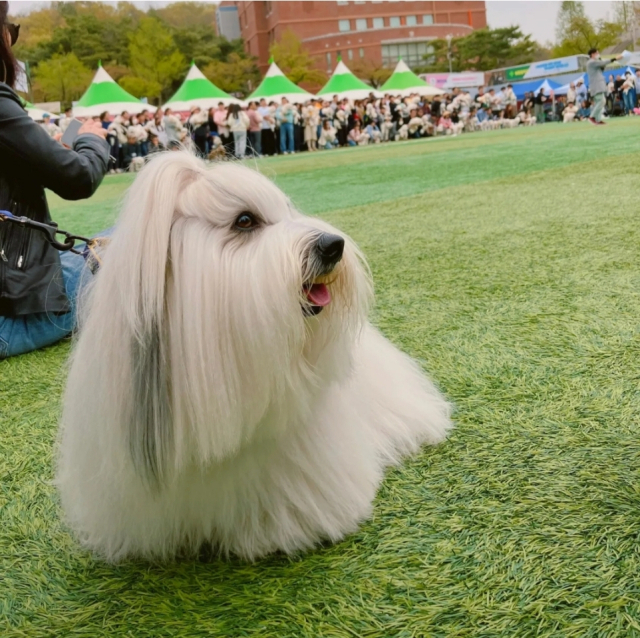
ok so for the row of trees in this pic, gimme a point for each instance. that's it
(148, 53)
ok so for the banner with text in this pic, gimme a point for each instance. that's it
(453, 80)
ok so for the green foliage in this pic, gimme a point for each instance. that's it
(296, 62)
(187, 15)
(235, 75)
(155, 60)
(140, 87)
(63, 78)
(203, 46)
(482, 50)
(568, 13)
(371, 72)
(576, 33)
(147, 52)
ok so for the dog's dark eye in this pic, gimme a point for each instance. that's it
(246, 221)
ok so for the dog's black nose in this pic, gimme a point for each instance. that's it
(329, 248)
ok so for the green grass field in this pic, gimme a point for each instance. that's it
(508, 263)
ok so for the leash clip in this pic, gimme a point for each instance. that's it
(50, 231)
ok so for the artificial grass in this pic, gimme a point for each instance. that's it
(507, 262)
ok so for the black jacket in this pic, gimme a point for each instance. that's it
(30, 161)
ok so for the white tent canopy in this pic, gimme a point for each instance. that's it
(104, 94)
(276, 85)
(38, 114)
(345, 84)
(197, 90)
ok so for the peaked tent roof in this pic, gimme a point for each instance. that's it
(404, 82)
(344, 83)
(276, 85)
(102, 95)
(197, 90)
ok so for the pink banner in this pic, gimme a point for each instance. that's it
(451, 80)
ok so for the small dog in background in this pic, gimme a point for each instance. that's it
(238, 395)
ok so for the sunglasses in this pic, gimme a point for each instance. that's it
(14, 32)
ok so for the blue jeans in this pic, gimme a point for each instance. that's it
(286, 137)
(629, 100)
(26, 333)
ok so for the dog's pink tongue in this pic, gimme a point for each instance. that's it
(318, 295)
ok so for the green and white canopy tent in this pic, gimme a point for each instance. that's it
(276, 85)
(104, 94)
(37, 114)
(404, 82)
(196, 90)
(344, 83)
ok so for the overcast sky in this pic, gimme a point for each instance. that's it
(537, 18)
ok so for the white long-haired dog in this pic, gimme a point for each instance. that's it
(226, 388)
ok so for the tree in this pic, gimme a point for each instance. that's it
(567, 15)
(371, 72)
(154, 59)
(296, 62)
(62, 78)
(187, 15)
(235, 75)
(203, 46)
(482, 50)
(142, 60)
(576, 33)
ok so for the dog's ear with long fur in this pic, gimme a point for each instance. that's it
(137, 270)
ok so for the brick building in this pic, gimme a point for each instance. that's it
(380, 32)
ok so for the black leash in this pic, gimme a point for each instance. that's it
(50, 231)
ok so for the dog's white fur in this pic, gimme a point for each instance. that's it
(202, 406)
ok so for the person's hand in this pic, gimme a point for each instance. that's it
(619, 57)
(93, 127)
(57, 137)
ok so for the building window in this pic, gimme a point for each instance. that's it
(414, 54)
(350, 54)
(427, 19)
(344, 25)
(361, 52)
(411, 21)
(267, 7)
(342, 2)
(361, 24)
(328, 61)
(378, 23)
(394, 22)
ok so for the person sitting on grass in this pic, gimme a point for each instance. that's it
(356, 136)
(584, 112)
(569, 113)
(373, 132)
(39, 284)
(328, 136)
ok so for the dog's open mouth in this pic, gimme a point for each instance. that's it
(318, 296)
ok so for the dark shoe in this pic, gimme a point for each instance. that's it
(601, 123)
(592, 120)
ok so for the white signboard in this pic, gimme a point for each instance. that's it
(22, 82)
(552, 67)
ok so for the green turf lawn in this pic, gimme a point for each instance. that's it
(507, 262)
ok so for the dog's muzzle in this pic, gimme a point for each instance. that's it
(325, 256)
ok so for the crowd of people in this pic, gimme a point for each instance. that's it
(282, 127)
